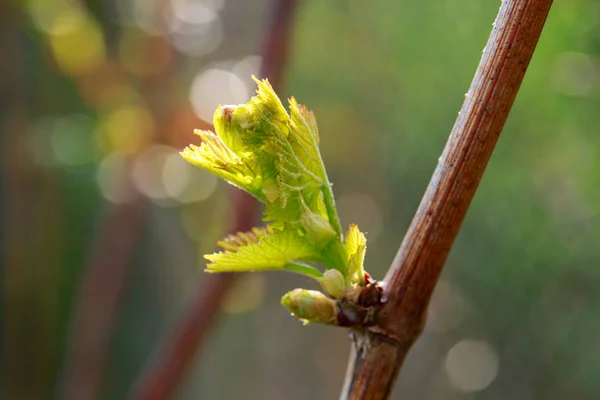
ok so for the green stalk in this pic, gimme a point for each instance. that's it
(303, 269)
(329, 200)
(335, 256)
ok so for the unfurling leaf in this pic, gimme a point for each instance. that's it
(262, 249)
(356, 245)
(273, 154)
(214, 156)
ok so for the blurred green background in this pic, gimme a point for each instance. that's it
(97, 97)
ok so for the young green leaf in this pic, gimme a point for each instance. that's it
(264, 249)
(215, 156)
(274, 155)
(356, 245)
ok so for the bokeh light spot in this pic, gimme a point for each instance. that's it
(575, 74)
(72, 139)
(175, 174)
(61, 140)
(107, 88)
(203, 223)
(446, 309)
(113, 179)
(361, 209)
(147, 172)
(246, 294)
(55, 17)
(77, 44)
(247, 67)
(472, 365)
(152, 16)
(194, 40)
(214, 87)
(186, 183)
(143, 54)
(128, 129)
(196, 11)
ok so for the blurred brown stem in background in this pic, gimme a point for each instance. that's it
(163, 377)
(14, 254)
(98, 301)
(378, 354)
(103, 281)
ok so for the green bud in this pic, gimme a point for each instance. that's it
(334, 283)
(318, 227)
(310, 306)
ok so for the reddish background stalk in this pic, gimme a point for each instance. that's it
(104, 280)
(163, 377)
(378, 354)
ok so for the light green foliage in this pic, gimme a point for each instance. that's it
(262, 249)
(356, 245)
(274, 155)
(334, 283)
